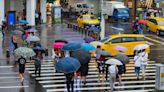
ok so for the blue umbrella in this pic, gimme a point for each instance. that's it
(88, 39)
(94, 29)
(67, 65)
(17, 32)
(71, 46)
(87, 46)
(23, 22)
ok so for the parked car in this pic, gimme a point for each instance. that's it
(88, 20)
(155, 25)
(127, 40)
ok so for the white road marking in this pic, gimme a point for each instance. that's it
(102, 88)
(101, 83)
(6, 66)
(5, 87)
(154, 40)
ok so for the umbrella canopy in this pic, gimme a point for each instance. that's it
(61, 40)
(58, 45)
(33, 38)
(142, 21)
(88, 39)
(24, 52)
(105, 53)
(141, 47)
(67, 65)
(71, 46)
(87, 46)
(94, 29)
(32, 30)
(38, 48)
(23, 22)
(113, 61)
(121, 48)
(82, 55)
(122, 57)
(96, 43)
(18, 32)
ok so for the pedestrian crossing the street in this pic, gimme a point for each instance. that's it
(55, 82)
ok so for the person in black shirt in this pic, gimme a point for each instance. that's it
(70, 81)
(22, 62)
(37, 64)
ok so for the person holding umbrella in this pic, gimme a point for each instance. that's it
(113, 72)
(70, 81)
(38, 63)
(112, 69)
(123, 58)
(22, 62)
(99, 58)
(84, 58)
(140, 58)
(137, 64)
(68, 66)
(144, 56)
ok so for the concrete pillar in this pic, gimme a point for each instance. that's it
(30, 11)
(11, 5)
(43, 11)
(2, 11)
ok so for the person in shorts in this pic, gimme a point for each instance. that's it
(22, 62)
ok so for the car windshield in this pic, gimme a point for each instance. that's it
(122, 11)
(105, 39)
(89, 17)
(161, 22)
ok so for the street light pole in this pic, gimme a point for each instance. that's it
(102, 24)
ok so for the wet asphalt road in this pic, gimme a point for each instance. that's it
(48, 35)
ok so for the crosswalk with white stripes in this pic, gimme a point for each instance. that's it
(55, 82)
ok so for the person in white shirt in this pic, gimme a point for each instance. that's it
(144, 60)
(112, 71)
(137, 64)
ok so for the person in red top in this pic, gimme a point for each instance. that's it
(26, 34)
(14, 40)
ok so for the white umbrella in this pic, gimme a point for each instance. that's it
(113, 61)
(121, 48)
(33, 38)
(96, 43)
(141, 47)
(24, 52)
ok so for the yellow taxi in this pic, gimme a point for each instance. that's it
(88, 20)
(127, 40)
(155, 25)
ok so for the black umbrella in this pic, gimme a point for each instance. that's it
(82, 55)
(122, 57)
(38, 48)
(61, 40)
(105, 53)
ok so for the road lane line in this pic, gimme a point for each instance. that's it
(102, 88)
(5, 87)
(101, 83)
(6, 66)
(154, 40)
